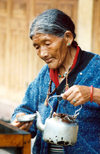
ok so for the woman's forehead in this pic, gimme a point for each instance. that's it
(43, 36)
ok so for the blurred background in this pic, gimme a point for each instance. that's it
(19, 63)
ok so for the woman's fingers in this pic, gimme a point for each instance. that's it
(77, 95)
(66, 93)
(22, 125)
(70, 93)
(16, 122)
(26, 126)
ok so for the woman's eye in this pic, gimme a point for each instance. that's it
(36, 46)
(47, 43)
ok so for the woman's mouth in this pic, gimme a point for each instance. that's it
(48, 60)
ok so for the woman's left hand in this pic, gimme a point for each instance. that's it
(77, 95)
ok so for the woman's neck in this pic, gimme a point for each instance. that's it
(68, 61)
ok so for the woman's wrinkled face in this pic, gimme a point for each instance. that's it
(50, 48)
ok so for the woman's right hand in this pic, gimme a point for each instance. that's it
(21, 125)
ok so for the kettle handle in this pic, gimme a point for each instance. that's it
(77, 112)
(50, 104)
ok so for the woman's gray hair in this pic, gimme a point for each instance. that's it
(52, 21)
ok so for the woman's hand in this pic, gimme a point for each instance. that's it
(77, 95)
(21, 125)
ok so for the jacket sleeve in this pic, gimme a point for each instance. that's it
(29, 103)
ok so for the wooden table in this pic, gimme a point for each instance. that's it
(14, 140)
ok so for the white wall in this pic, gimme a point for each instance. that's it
(84, 24)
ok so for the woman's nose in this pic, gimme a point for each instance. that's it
(43, 53)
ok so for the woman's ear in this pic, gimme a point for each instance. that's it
(68, 36)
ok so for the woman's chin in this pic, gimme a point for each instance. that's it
(51, 66)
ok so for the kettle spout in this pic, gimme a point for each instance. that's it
(39, 124)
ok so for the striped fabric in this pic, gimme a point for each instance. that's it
(56, 149)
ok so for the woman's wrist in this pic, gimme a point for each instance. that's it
(96, 95)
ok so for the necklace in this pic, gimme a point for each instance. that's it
(62, 76)
(67, 85)
(50, 83)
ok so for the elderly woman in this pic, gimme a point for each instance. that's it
(69, 71)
